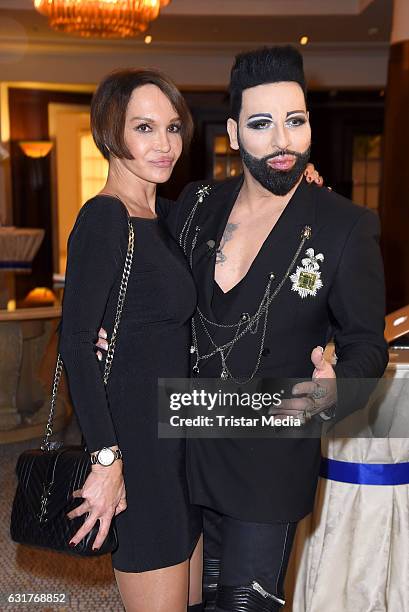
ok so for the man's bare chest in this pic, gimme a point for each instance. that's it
(239, 247)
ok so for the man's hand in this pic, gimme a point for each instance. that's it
(316, 395)
(102, 342)
(312, 175)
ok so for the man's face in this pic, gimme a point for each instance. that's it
(273, 135)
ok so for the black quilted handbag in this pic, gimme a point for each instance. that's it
(46, 482)
(48, 476)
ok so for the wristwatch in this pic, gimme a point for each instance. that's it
(106, 456)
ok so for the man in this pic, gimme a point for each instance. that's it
(281, 266)
(241, 236)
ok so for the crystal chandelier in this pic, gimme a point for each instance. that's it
(100, 18)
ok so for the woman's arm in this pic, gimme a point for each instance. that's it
(96, 252)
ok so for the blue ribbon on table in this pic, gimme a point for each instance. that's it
(365, 473)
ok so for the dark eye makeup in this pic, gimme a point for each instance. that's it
(174, 128)
(262, 124)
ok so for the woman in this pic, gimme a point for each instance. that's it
(140, 123)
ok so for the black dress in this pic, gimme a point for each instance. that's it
(159, 528)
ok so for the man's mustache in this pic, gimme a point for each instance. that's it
(282, 152)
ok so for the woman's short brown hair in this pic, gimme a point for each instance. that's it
(111, 99)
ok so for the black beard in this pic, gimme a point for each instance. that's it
(278, 182)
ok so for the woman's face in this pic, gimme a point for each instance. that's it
(152, 135)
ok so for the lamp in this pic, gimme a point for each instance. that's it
(35, 151)
(100, 18)
(36, 148)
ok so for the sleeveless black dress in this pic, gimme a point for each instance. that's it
(159, 528)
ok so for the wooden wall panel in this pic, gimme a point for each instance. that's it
(395, 188)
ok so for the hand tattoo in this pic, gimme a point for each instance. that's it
(227, 235)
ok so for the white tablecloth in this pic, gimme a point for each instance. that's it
(352, 553)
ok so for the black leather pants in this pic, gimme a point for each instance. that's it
(247, 562)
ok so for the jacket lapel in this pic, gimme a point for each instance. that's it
(276, 252)
(212, 220)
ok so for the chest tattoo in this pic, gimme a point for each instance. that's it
(221, 258)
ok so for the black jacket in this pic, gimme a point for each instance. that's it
(269, 479)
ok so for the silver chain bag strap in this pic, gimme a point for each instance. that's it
(48, 476)
(47, 445)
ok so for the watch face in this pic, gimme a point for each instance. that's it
(106, 456)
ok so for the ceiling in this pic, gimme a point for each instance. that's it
(195, 41)
(215, 23)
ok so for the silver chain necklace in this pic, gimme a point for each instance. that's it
(247, 323)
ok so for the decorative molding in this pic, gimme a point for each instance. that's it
(85, 47)
(243, 7)
(192, 66)
(264, 8)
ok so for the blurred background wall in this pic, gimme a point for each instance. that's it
(47, 79)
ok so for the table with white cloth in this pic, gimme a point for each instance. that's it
(352, 553)
(18, 247)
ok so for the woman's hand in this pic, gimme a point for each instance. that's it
(312, 175)
(104, 496)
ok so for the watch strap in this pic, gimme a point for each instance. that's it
(94, 456)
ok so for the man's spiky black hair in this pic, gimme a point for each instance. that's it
(261, 66)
